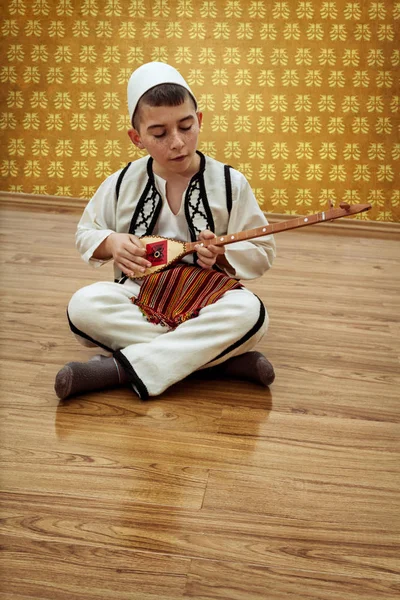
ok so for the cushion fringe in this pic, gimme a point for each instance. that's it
(178, 294)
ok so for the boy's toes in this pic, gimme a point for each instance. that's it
(63, 383)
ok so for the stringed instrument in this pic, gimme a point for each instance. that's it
(163, 252)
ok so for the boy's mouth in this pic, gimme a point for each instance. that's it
(178, 158)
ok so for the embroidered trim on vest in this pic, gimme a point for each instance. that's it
(148, 207)
(197, 209)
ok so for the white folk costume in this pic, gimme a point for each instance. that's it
(133, 200)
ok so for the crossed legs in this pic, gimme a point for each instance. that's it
(152, 357)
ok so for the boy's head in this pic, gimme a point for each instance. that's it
(164, 94)
(165, 121)
(156, 84)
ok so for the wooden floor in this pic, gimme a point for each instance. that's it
(213, 490)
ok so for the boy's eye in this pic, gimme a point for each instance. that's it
(161, 135)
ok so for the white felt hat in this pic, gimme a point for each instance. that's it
(148, 76)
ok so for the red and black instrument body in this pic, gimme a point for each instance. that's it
(163, 252)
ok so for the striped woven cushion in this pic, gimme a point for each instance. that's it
(173, 296)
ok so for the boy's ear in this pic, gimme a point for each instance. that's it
(200, 118)
(135, 138)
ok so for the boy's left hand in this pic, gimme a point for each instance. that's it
(207, 257)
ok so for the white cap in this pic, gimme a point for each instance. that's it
(148, 76)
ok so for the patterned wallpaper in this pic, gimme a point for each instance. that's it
(301, 96)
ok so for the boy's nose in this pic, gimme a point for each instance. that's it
(177, 141)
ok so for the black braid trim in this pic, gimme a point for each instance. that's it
(149, 195)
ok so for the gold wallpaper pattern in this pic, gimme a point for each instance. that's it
(301, 96)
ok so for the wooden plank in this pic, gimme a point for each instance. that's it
(249, 539)
(235, 581)
(88, 572)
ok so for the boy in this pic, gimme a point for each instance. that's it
(175, 192)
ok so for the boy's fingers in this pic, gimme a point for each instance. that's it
(209, 251)
(134, 254)
(130, 259)
(204, 252)
(216, 249)
(140, 264)
(135, 241)
(138, 267)
(206, 235)
(206, 260)
(205, 265)
(139, 260)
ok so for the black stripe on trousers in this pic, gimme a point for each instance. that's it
(133, 376)
(247, 336)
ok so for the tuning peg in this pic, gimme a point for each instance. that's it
(344, 205)
(331, 205)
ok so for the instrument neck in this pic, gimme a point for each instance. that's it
(260, 231)
(328, 215)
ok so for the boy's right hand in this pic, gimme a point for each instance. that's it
(128, 253)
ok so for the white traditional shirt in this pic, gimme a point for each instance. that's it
(219, 198)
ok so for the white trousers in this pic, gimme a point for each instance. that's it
(155, 357)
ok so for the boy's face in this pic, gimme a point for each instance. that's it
(169, 134)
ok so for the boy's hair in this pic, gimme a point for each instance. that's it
(165, 94)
